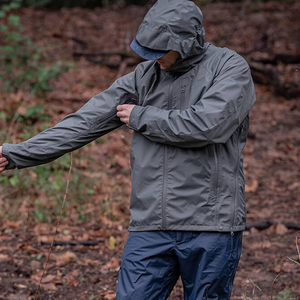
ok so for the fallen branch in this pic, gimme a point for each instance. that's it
(266, 224)
(68, 99)
(110, 64)
(289, 225)
(260, 225)
(72, 243)
(73, 38)
(262, 74)
(266, 75)
(274, 59)
(105, 53)
(56, 229)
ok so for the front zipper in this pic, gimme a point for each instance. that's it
(164, 191)
(165, 160)
(216, 170)
(235, 182)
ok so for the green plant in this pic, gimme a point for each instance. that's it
(286, 294)
(33, 114)
(20, 66)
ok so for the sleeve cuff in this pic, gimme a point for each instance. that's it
(5, 153)
(134, 117)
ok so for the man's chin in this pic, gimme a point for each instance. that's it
(164, 67)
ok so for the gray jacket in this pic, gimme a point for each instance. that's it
(190, 126)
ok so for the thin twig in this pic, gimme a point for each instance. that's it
(293, 261)
(273, 285)
(297, 246)
(56, 229)
(254, 286)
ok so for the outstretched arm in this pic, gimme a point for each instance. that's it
(96, 118)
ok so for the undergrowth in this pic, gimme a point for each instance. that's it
(21, 64)
(35, 194)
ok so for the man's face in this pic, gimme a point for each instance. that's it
(167, 61)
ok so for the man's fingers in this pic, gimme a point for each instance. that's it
(3, 164)
(3, 160)
(2, 169)
(125, 120)
(121, 114)
(122, 107)
(124, 111)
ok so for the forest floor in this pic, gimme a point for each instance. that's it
(97, 207)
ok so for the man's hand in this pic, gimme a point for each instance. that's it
(3, 161)
(124, 112)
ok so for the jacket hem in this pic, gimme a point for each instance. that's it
(219, 228)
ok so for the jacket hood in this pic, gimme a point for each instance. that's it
(174, 25)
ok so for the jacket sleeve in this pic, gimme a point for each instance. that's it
(213, 119)
(96, 118)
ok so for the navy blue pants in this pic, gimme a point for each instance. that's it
(153, 261)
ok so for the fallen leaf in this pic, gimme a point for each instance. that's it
(21, 286)
(37, 276)
(45, 238)
(281, 229)
(64, 258)
(35, 265)
(294, 186)
(112, 264)
(12, 224)
(263, 245)
(64, 238)
(32, 174)
(110, 296)
(251, 188)
(122, 161)
(112, 243)
(89, 261)
(17, 297)
(30, 249)
(49, 286)
(22, 110)
(49, 278)
(2, 248)
(4, 257)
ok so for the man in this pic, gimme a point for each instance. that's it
(188, 107)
